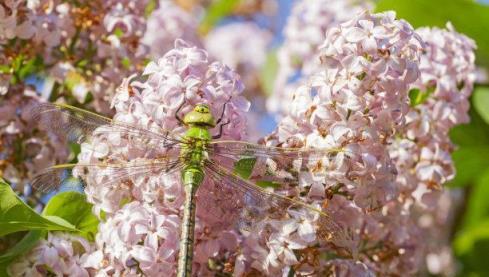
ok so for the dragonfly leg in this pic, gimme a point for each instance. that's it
(220, 130)
(178, 110)
(171, 167)
(222, 112)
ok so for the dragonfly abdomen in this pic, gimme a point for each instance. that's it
(192, 176)
(187, 234)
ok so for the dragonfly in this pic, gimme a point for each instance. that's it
(262, 181)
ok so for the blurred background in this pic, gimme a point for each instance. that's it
(260, 40)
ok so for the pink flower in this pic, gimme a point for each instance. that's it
(305, 31)
(422, 150)
(138, 234)
(43, 147)
(241, 46)
(447, 77)
(142, 205)
(60, 254)
(166, 24)
(356, 101)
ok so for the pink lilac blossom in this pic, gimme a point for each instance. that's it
(437, 224)
(447, 76)
(93, 45)
(60, 254)
(167, 23)
(357, 101)
(119, 51)
(11, 26)
(137, 237)
(422, 152)
(84, 49)
(183, 75)
(41, 148)
(44, 24)
(304, 32)
(241, 46)
(51, 23)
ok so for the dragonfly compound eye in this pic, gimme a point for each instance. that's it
(202, 108)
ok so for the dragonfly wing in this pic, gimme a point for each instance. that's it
(77, 125)
(272, 166)
(256, 206)
(54, 177)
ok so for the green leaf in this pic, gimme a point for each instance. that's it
(72, 79)
(69, 206)
(465, 240)
(32, 66)
(74, 208)
(26, 244)
(244, 167)
(471, 247)
(476, 133)
(75, 149)
(118, 32)
(480, 100)
(472, 142)
(82, 63)
(477, 204)
(268, 184)
(126, 63)
(269, 72)
(150, 7)
(5, 69)
(468, 17)
(16, 216)
(216, 11)
(416, 96)
(17, 62)
(470, 161)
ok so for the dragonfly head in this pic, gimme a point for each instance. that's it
(200, 115)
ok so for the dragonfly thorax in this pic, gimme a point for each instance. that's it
(198, 135)
(194, 153)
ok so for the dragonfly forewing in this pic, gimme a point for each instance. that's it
(80, 126)
(53, 177)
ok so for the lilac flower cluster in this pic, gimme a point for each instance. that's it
(60, 254)
(357, 101)
(422, 151)
(25, 148)
(390, 105)
(92, 45)
(82, 51)
(166, 24)
(241, 46)
(439, 101)
(183, 75)
(137, 238)
(304, 33)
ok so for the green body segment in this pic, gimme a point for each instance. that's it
(193, 155)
